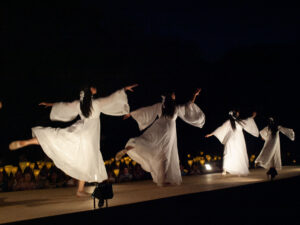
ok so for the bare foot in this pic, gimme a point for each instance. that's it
(82, 194)
(120, 154)
(16, 145)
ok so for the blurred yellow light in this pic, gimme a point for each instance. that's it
(117, 163)
(188, 155)
(190, 162)
(32, 165)
(202, 161)
(36, 172)
(8, 169)
(208, 157)
(201, 153)
(14, 170)
(40, 166)
(116, 172)
(49, 165)
(23, 166)
(1, 169)
(133, 162)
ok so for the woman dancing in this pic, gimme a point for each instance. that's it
(231, 135)
(156, 149)
(270, 157)
(76, 149)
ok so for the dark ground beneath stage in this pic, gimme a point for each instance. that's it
(275, 202)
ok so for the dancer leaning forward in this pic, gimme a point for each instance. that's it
(156, 149)
(76, 149)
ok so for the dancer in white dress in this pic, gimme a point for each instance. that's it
(76, 149)
(270, 156)
(230, 134)
(156, 149)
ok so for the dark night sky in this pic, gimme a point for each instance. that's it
(240, 54)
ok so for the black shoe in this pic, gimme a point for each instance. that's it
(272, 172)
(101, 202)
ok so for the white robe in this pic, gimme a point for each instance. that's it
(270, 154)
(156, 149)
(76, 149)
(235, 160)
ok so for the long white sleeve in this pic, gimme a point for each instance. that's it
(191, 114)
(287, 132)
(223, 132)
(65, 112)
(146, 115)
(264, 133)
(249, 125)
(115, 104)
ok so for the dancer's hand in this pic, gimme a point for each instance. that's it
(126, 116)
(208, 135)
(197, 92)
(46, 104)
(129, 88)
(254, 115)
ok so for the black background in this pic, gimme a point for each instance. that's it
(240, 54)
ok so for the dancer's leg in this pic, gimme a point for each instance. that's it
(80, 189)
(23, 143)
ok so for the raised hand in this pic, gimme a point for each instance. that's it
(126, 116)
(208, 135)
(129, 88)
(46, 104)
(197, 91)
(196, 94)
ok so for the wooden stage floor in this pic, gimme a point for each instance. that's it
(25, 205)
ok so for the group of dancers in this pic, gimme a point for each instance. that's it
(76, 149)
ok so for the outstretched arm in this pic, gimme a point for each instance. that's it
(208, 135)
(46, 104)
(196, 94)
(129, 88)
(126, 116)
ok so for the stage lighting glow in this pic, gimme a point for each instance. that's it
(208, 167)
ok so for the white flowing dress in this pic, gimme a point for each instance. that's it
(235, 160)
(156, 149)
(270, 155)
(76, 149)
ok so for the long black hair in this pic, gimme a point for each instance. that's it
(273, 126)
(86, 101)
(168, 106)
(233, 117)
